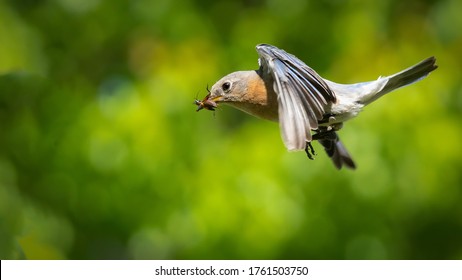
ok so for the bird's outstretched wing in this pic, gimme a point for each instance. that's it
(337, 152)
(302, 94)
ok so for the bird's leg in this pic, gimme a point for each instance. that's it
(325, 135)
(327, 132)
(322, 133)
(309, 150)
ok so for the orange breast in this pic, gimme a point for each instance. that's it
(259, 100)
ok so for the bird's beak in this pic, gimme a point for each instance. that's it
(216, 99)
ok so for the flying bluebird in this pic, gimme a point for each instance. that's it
(286, 90)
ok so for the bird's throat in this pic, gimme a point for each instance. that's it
(259, 99)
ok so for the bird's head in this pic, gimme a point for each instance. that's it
(244, 90)
(231, 88)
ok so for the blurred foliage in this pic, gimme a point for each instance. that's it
(102, 155)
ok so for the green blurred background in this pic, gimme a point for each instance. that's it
(102, 155)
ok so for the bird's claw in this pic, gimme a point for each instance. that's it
(309, 150)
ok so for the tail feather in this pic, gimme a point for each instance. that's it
(406, 77)
(356, 96)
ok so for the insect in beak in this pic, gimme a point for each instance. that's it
(206, 103)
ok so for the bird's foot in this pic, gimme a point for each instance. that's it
(309, 150)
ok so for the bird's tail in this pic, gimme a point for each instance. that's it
(403, 78)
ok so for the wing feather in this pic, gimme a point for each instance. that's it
(302, 94)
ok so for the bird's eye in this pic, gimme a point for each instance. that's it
(226, 86)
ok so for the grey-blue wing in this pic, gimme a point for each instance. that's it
(302, 94)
